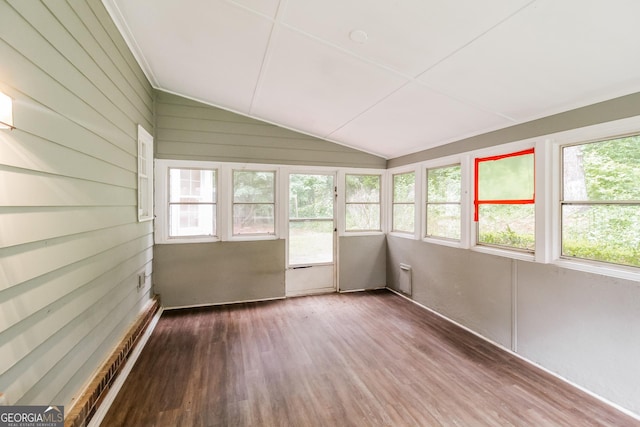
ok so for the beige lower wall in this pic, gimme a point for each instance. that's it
(362, 262)
(468, 287)
(225, 272)
(583, 327)
(221, 272)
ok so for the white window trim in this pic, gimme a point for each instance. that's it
(342, 201)
(555, 142)
(145, 199)
(415, 168)
(285, 172)
(465, 211)
(539, 196)
(161, 232)
(228, 169)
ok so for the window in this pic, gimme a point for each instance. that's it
(192, 202)
(600, 201)
(403, 211)
(253, 202)
(145, 175)
(443, 206)
(504, 200)
(362, 204)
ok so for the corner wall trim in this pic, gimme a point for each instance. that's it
(93, 398)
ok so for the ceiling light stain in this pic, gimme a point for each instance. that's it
(358, 36)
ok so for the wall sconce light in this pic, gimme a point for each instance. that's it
(6, 112)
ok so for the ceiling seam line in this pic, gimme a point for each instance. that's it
(266, 59)
(470, 42)
(368, 108)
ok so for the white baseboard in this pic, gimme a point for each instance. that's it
(346, 291)
(215, 304)
(554, 374)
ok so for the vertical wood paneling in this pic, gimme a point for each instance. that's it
(190, 130)
(71, 248)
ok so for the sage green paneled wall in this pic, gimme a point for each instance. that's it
(189, 130)
(70, 244)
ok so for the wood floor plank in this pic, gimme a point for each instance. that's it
(361, 359)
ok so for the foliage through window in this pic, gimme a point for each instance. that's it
(504, 200)
(192, 202)
(443, 202)
(600, 201)
(403, 210)
(253, 202)
(362, 204)
(311, 224)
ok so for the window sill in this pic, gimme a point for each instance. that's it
(617, 271)
(250, 238)
(444, 242)
(410, 236)
(361, 233)
(506, 253)
(183, 240)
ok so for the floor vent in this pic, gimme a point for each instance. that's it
(82, 412)
(405, 279)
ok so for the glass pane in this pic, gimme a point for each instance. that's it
(310, 242)
(192, 186)
(609, 233)
(253, 187)
(606, 170)
(311, 196)
(511, 178)
(403, 217)
(444, 184)
(363, 188)
(507, 225)
(192, 220)
(253, 219)
(363, 217)
(443, 221)
(404, 187)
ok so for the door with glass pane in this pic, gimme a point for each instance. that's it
(311, 238)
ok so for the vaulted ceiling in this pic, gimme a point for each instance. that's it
(389, 77)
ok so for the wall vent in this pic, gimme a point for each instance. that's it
(405, 279)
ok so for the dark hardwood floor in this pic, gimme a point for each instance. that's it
(360, 359)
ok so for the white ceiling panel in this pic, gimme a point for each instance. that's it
(186, 45)
(414, 118)
(264, 7)
(551, 57)
(309, 85)
(408, 36)
(422, 72)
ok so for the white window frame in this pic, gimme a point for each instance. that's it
(342, 201)
(212, 203)
(162, 167)
(539, 198)
(554, 143)
(145, 174)
(466, 200)
(415, 168)
(228, 169)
